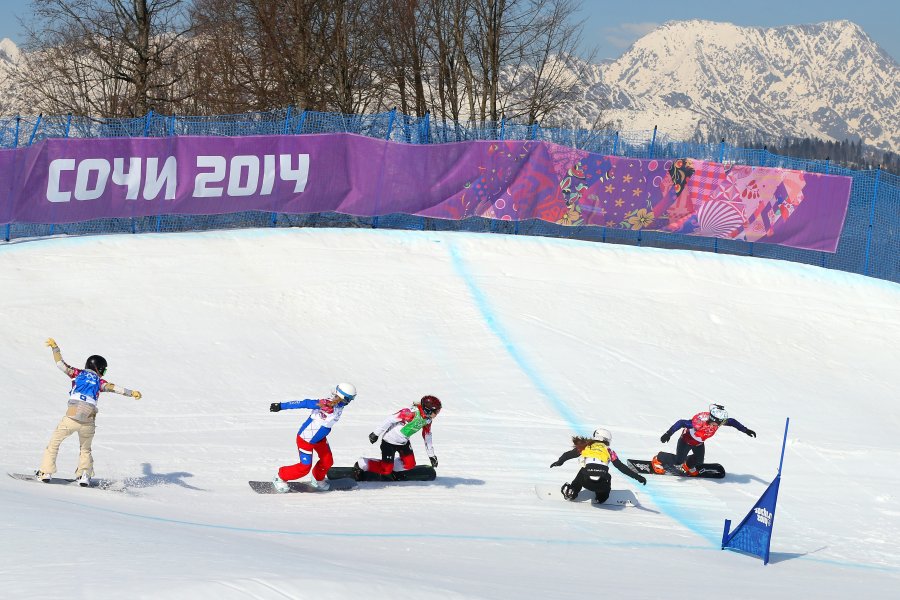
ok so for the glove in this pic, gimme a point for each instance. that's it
(51, 343)
(373, 437)
(433, 460)
(751, 433)
(275, 407)
(664, 438)
(556, 464)
(641, 479)
(136, 395)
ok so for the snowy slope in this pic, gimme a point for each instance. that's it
(526, 340)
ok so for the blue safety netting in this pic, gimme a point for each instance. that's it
(869, 243)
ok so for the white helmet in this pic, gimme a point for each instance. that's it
(717, 413)
(602, 435)
(345, 391)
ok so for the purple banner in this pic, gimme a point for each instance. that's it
(71, 180)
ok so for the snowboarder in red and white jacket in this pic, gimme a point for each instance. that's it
(695, 432)
(395, 433)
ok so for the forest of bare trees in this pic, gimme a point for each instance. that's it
(460, 60)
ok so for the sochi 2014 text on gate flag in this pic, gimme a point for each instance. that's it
(71, 180)
(754, 534)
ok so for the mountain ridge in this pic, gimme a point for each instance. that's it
(696, 78)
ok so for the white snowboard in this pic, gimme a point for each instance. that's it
(616, 497)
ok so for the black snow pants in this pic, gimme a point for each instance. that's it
(595, 478)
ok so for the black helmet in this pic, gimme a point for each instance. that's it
(96, 363)
(431, 406)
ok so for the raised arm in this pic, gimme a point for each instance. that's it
(626, 471)
(403, 416)
(680, 424)
(58, 359)
(568, 455)
(106, 386)
(276, 406)
(737, 425)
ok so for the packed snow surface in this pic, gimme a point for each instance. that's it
(527, 341)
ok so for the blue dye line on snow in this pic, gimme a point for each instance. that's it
(460, 537)
(665, 504)
(493, 323)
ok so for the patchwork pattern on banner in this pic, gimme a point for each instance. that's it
(71, 180)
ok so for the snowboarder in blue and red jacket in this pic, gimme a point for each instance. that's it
(313, 436)
(695, 432)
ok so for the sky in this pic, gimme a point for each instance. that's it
(526, 340)
(612, 26)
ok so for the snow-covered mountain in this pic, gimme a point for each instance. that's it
(10, 100)
(828, 80)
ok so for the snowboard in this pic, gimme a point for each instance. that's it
(616, 497)
(266, 487)
(100, 484)
(706, 470)
(417, 473)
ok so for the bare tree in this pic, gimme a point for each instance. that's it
(105, 57)
(350, 56)
(315, 54)
(552, 75)
(448, 23)
(402, 49)
(474, 60)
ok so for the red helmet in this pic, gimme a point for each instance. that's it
(431, 406)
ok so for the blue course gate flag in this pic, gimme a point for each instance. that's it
(754, 534)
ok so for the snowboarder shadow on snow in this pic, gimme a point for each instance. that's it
(150, 479)
(624, 499)
(739, 478)
(447, 482)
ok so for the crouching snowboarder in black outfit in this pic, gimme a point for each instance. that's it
(594, 475)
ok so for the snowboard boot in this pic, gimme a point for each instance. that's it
(41, 476)
(657, 466)
(357, 472)
(280, 485)
(689, 471)
(322, 486)
(84, 480)
(567, 492)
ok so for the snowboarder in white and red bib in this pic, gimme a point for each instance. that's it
(395, 433)
(81, 413)
(595, 454)
(695, 432)
(313, 437)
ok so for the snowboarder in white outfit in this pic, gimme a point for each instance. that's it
(395, 433)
